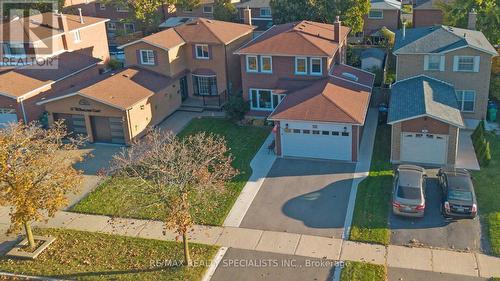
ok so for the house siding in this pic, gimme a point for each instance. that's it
(389, 20)
(427, 17)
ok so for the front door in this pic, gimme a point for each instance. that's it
(184, 88)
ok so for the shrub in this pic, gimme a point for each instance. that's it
(487, 154)
(236, 108)
(115, 64)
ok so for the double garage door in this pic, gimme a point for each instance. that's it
(424, 148)
(322, 141)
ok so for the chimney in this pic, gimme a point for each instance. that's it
(336, 29)
(471, 23)
(81, 16)
(247, 16)
(62, 22)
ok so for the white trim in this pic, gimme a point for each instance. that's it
(305, 65)
(262, 64)
(62, 33)
(475, 63)
(426, 115)
(202, 46)
(320, 66)
(265, 8)
(258, 108)
(461, 105)
(92, 98)
(441, 62)
(423, 75)
(142, 59)
(447, 51)
(376, 18)
(256, 64)
(77, 37)
(147, 42)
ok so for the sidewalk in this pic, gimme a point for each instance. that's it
(470, 264)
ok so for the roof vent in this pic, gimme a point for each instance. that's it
(126, 75)
(350, 76)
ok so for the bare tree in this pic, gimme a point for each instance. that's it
(172, 170)
(35, 172)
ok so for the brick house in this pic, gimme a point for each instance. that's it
(442, 86)
(259, 14)
(294, 74)
(427, 12)
(382, 13)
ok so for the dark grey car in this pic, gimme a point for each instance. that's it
(408, 196)
(459, 198)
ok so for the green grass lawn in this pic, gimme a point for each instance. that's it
(487, 186)
(244, 142)
(96, 256)
(372, 200)
(361, 271)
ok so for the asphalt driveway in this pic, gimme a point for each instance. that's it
(399, 274)
(433, 229)
(303, 196)
(246, 265)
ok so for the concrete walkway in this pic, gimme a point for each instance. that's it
(466, 155)
(436, 260)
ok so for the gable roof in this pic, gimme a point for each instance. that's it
(121, 89)
(331, 99)
(31, 78)
(253, 4)
(306, 38)
(41, 26)
(424, 96)
(385, 5)
(203, 30)
(440, 38)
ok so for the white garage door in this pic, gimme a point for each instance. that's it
(323, 141)
(424, 148)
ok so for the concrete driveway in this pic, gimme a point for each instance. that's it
(399, 274)
(246, 265)
(433, 229)
(302, 196)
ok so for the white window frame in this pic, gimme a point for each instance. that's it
(461, 100)
(130, 24)
(273, 106)
(202, 46)
(122, 9)
(211, 9)
(296, 60)
(262, 64)
(441, 63)
(320, 66)
(150, 56)
(376, 18)
(77, 37)
(248, 64)
(475, 64)
(102, 6)
(111, 26)
(265, 15)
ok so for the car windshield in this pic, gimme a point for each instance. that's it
(460, 195)
(408, 192)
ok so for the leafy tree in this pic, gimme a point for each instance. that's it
(456, 13)
(175, 171)
(225, 10)
(236, 108)
(351, 12)
(35, 172)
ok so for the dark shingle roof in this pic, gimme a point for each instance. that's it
(424, 96)
(440, 38)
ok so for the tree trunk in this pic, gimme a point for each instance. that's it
(187, 256)
(29, 234)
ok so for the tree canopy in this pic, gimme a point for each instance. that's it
(351, 12)
(456, 14)
(225, 10)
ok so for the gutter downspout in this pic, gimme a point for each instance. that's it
(24, 112)
(129, 126)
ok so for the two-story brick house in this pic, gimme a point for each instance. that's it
(293, 74)
(383, 13)
(259, 14)
(447, 71)
(192, 63)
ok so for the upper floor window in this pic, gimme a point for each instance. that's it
(111, 25)
(13, 49)
(265, 12)
(266, 64)
(434, 62)
(466, 100)
(76, 36)
(466, 63)
(301, 65)
(129, 27)
(187, 10)
(316, 66)
(147, 57)
(102, 6)
(376, 14)
(208, 9)
(202, 51)
(121, 8)
(252, 64)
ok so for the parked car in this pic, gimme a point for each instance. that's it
(459, 198)
(408, 196)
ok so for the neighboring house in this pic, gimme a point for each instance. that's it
(204, 10)
(293, 74)
(432, 64)
(259, 14)
(28, 39)
(117, 107)
(372, 58)
(382, 13)
(427, 12)
(22, 88)
(199, 54)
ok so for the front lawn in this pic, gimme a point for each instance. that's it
(487, 186)
(372, 200)
(97, 256)
(361, 271)
(244, 142)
